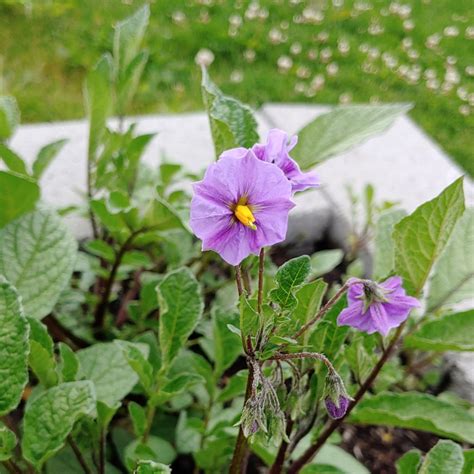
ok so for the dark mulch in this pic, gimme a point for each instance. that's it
(379, 447)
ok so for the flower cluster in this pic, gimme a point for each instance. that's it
(242, 204)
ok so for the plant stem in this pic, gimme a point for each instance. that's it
(150, 415)
(239, 459)
(334, 424)
(79, 456)
(101, 309)
(238, 280)
(11, 467)
(102, 448)
(122, 314)
(323, 310)
(261, 263)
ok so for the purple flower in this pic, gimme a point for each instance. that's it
(276, 151)
(240, 206)
(336, 410)
(377, 307)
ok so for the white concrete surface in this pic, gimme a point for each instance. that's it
(403, 163)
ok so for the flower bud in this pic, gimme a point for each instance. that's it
(336, 397)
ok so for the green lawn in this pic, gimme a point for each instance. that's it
(48, 45)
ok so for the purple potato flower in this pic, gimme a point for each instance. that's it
(377, 307)
(276, 151)
(337, 410)
(240, 206)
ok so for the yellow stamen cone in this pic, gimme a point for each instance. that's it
(244, 214)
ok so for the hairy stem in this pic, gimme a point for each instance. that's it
(239, 459)
(238, 280)
(334, 424)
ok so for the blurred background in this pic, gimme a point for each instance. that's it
(333, 51)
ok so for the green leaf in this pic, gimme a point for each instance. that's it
(150, 467)
(181, 307)
(156, 449)
(310, 297)
(128, 36)
(41, 357)
(289, 277)
(137, 361)
(249, 318)
(421, 237)
(444, 457)
(19, 195)
(360, 360)
(383, 243)
(9, 116)
(232, 123)
(98, 99)
(321, 469)
(326, 260)
(68, 366)
(409, 462)
(7, 442)
(452, 332)
(188, 433)
(138, 417)
(227, 345)
(341, 129)
(161, 216)
(106, 366)
(468, 467)
(453, 275)
(37, 255)
(13, 348)
(416, 411)
(12, 161)
(51, 416)
(130, 79)
(101, 249)
(45, 157)
(337, 457)
(328, 337)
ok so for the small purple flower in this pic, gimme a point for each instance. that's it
(337, 410)
(377, 307)
(276, 151)
(240, 206)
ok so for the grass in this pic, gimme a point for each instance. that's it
(48, 46)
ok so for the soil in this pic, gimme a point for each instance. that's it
(379, 447)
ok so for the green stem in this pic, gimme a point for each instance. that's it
(150, 415)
